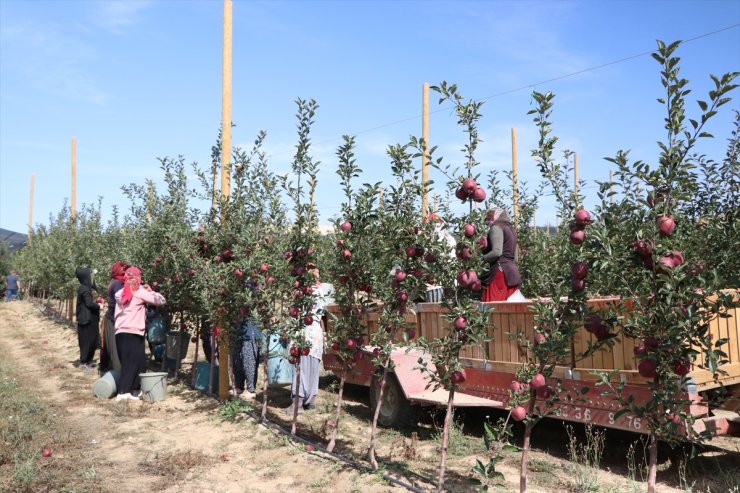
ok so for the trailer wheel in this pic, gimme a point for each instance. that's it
(395, 410)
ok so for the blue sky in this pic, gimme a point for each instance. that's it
(136, 80)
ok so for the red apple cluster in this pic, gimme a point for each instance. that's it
(578, 273)
(469, 190)
(578, 226)
(296, 353)
(596, 326)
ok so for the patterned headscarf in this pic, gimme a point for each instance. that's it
(118, 270)
(494, 215)
(131, 283)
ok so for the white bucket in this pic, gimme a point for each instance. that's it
(105, 386)
(153, 386)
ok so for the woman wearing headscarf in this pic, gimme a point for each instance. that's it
(502, 278)
(109, 352)
(130, 323)
(88, 318)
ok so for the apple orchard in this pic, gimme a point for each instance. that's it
(660, 246)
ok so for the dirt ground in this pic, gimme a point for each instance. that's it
(187, 443)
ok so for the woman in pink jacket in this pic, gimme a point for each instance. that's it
(130, 323)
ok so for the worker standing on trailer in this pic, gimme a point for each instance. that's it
(502, 278)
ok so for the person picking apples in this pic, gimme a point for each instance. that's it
(502, 278)
(308, 387)
(88, 319)
(130, 323)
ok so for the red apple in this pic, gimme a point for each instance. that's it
(544, 392)
(469, 185)
(346, 254)
(410, 251)
(294, 311)
(681, 366)
(308, 320)
(191, 272)
(666, 225)
(309, 448)
(639, 349)
(463, 279)
(346, 226)
(294, 351)
(479, 195)
(418, 251)
(537, 381)
(402, 296)
(539, 338)
(376, 352)
(463, 253)
(577, 285)
(518, 413)
(264, 268)
(483, 242)
(469, 230)
(652, 342)
(579, 270)
(238, 273)
(461, 323)
(46, 452)
(430, 258)
(400, 276)
(582, 217)
(335, 346)
(350, 343)
(675, 419)
(592, 323)
(460, 194)
(515, 386)
(410, 333)
(293, 361)
(647, 368)
(457, 377)
(305, 351)
(577, 237)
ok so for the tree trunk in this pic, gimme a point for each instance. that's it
(525, 446)
(297, 396)
(338, 414)
(445, 439)
(211, 371)
(653, 462)
(374, 429)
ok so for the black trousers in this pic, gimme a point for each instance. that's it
(109, 351)
(133, 361)
(87, 338)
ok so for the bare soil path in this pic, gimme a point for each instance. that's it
(183, 444)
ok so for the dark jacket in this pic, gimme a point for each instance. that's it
(115, 286)
(88, 312)
(501, 252)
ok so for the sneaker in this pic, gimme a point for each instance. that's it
(136, 394)
(309, 407)
(126, 397)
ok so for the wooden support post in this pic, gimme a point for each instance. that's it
(30, 211)
(223, 354)
(74, 179)
(73, 215)
(424, 156)
(575, 177)
(514, 177)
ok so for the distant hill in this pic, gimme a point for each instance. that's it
(15, 241)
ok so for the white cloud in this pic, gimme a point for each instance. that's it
(117, 15)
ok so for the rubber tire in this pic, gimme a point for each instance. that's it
(396, 411)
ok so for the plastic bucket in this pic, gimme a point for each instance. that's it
(105, 387)
(202, 371)
(279, 371)
(177, 344)
(153, 386)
